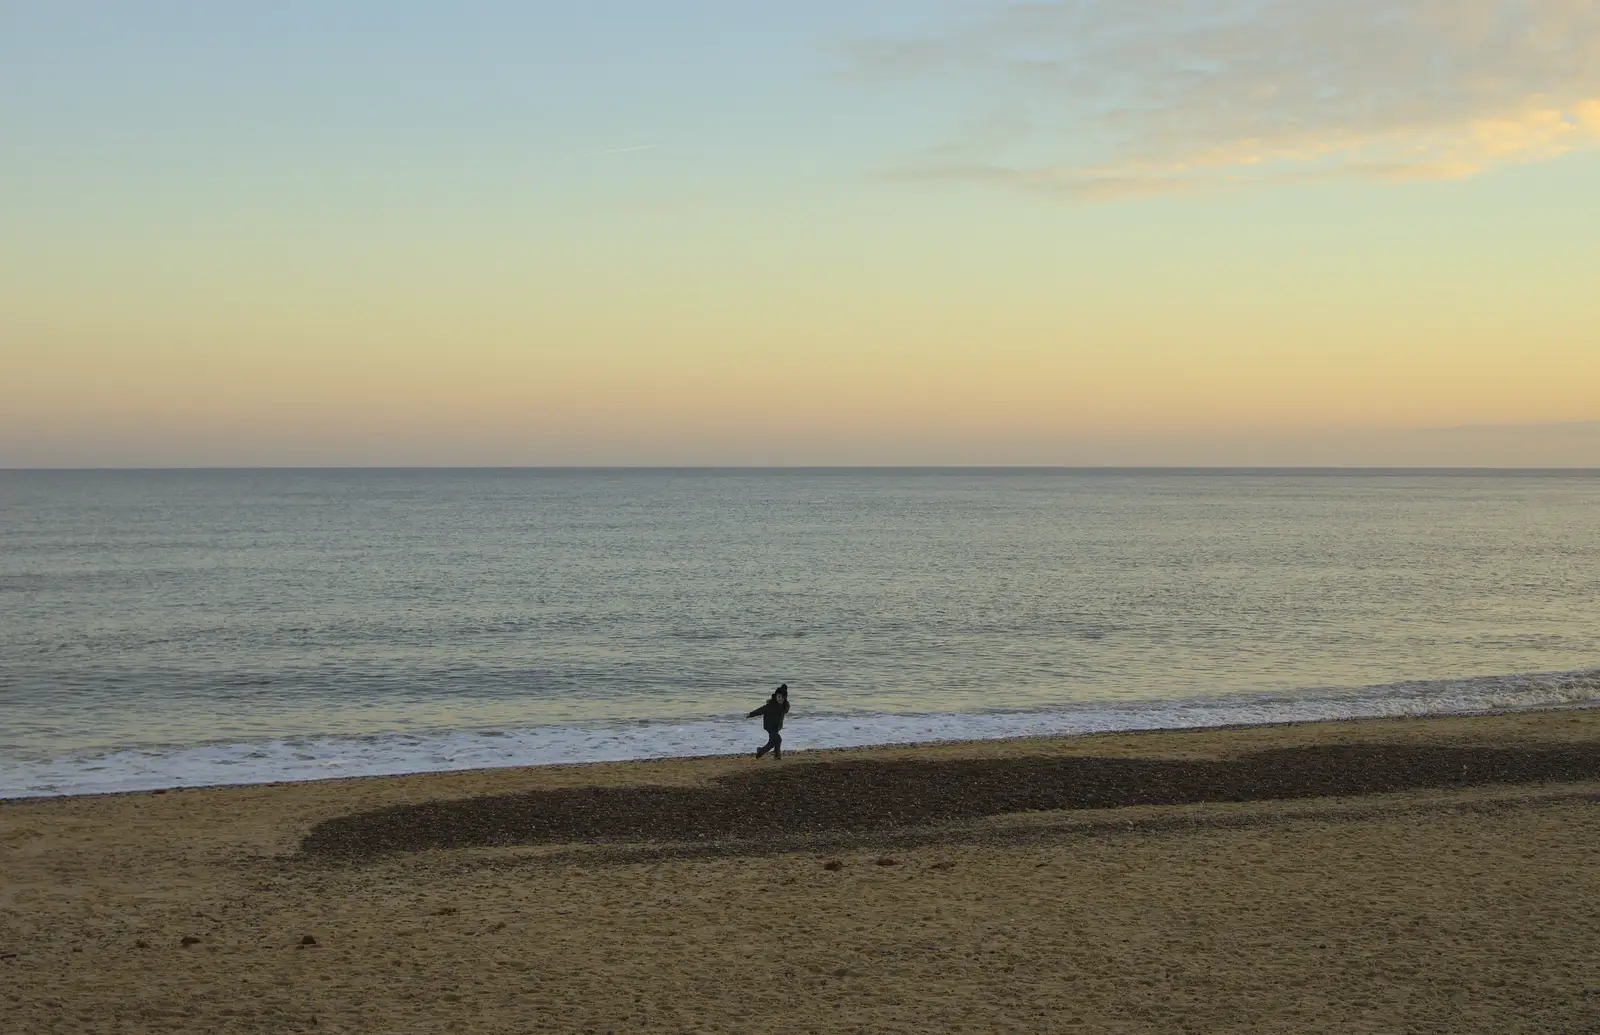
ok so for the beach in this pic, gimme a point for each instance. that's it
(1179, 881)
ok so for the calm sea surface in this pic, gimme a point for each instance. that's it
(170, 628)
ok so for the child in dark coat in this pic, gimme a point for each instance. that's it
(772, 714)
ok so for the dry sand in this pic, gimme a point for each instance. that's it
(1446, 908)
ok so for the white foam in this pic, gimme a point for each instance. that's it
(392, 753)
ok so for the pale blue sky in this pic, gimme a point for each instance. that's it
(614, 232)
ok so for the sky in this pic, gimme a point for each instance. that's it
(880, 232)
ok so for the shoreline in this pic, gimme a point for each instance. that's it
(827, 753)
(1522, 725)
(186, 768)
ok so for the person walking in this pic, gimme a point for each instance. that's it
(772, 714)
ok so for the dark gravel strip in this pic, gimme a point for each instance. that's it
(1056, 832)
(799, 801)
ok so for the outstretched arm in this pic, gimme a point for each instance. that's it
(759, 711)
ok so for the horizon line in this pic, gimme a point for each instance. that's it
(645, 468)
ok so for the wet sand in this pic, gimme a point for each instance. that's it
(1385, 876)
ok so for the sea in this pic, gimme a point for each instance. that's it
(186, 628)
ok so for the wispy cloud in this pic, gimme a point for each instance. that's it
(1119, 98)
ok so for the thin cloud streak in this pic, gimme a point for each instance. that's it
(1099, 99)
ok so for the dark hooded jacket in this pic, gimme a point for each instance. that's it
(772, 713)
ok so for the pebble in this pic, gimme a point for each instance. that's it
(884, 794)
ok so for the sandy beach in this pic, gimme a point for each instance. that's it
(1377, 876)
